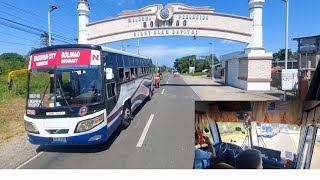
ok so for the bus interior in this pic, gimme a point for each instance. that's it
(286, 133)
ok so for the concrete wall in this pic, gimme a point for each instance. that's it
(233, 71)
(259, 69)
(248, 71)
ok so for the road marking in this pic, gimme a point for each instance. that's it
(193, 90)
(167, 82)
(30, 160)
(145, 130)
(162, 91)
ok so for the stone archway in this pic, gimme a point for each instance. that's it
(251, 69)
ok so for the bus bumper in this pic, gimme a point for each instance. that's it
(96, 137)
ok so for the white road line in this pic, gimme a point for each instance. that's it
(162, 91)
(144, 133)
(29, 160)
(193, 90)
(197, 94)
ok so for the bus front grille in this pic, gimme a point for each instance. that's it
(57, 131)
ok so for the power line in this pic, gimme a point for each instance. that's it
(16, 36)
(61, 38)
(27, 31)
(30, 22)
(36, 15)
(16, 43)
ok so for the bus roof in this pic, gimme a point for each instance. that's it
(85, 46)
(122, 52)
(65, 46)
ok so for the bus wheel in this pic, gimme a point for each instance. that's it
(127, 116)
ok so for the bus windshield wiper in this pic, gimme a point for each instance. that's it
(62, 92)
(43, 95)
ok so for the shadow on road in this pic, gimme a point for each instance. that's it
(88, 148)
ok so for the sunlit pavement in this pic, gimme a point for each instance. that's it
(210, 90)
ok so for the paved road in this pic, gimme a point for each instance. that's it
(213, 90)
(168, 142)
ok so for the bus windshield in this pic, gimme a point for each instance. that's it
(281, 137)
(64, 86)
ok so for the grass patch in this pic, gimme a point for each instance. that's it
(11, 121)
(195, 74)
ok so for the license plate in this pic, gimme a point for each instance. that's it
(60, 139)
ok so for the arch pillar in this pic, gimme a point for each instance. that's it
(250, 69)
(83, 15)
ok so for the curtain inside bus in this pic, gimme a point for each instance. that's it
(289, 112)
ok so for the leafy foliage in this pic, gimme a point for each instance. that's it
(205, 62)
(280, 55)
(10, 62)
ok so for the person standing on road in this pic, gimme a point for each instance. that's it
(202, 158)
(157, 81)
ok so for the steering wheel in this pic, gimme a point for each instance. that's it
(227, 148)
(223, 147)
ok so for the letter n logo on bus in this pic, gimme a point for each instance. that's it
(95, 57)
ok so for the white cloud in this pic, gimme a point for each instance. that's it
(162, 52)
(225, 41)
(121, 2)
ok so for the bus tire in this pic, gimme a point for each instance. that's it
(127, 115)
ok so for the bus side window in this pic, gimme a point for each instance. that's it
(121, 75)
(127, 75)
(111, 90)
(139, 72)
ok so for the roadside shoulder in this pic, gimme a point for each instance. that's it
(15, 152)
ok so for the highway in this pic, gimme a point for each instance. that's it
(160, 136)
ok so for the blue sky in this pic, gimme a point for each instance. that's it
(164, 50)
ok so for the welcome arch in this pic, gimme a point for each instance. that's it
(181, 20)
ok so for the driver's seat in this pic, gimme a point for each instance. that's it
(223, 166)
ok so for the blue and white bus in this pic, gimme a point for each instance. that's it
(80, 94)
(268, 130)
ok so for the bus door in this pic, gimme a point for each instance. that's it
(111, 99)
(111, 76)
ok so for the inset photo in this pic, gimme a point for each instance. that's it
(257, 135)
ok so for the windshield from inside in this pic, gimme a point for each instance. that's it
(315, 161)
(281, 137)
(230, 132)
(64, 86)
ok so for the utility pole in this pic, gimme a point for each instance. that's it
(52, 8)
(286, 41)
(138, 46)
(212, 76)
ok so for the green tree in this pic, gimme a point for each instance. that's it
(182, 64)
(280, 55)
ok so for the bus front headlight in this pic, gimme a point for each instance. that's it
(86, 125)
(30, 127)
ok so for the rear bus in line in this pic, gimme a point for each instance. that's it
(80, 94)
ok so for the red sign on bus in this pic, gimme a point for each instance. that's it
(65, 58)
